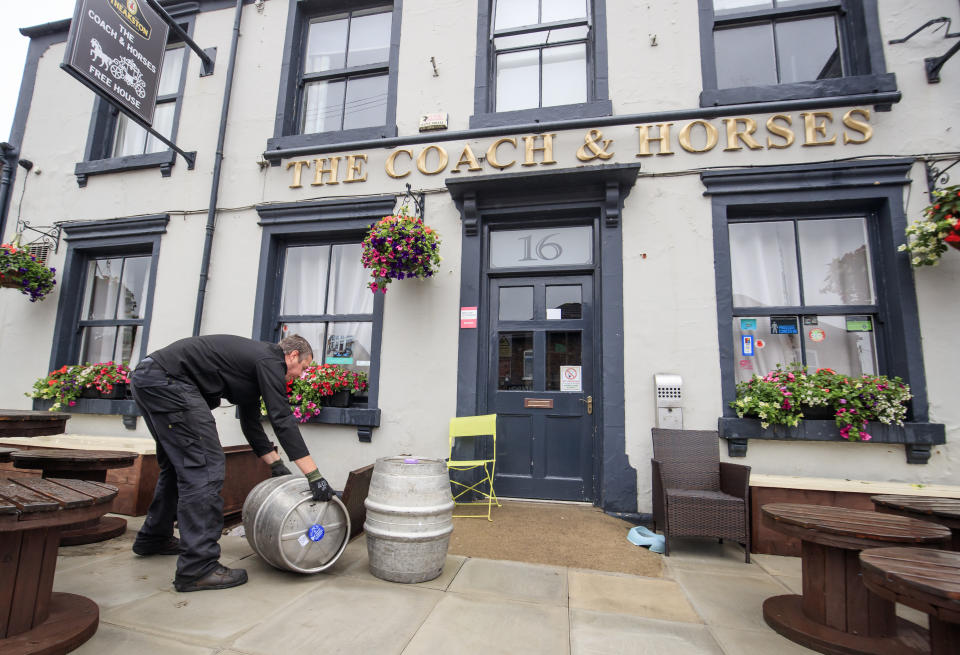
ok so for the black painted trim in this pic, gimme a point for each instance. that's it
(337, 219)
(286, 130)
(94, 406)
(862, 50)
(593, 193)
(598, 86)
(87, 239)
(875, 187)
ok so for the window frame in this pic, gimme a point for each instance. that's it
(861, 48)
(98, 156)
(289, 101)
(874, 189)
(89, 240)
(317, 222)
(598, 95)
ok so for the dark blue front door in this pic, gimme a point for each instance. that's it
(541, 385)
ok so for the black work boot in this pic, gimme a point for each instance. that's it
(169, 547)
(219, 578)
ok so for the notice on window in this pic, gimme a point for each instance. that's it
(859, 324)
(784, 325)
(748, 324)
(468, 317)
(554, 314)
(746, 345)
(570, 378)
(342, 361)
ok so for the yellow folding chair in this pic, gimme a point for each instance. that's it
(466, 427)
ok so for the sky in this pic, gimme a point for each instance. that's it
(15, 14)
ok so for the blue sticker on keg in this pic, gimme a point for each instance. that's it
(316, 532)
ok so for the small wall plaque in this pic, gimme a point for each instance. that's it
(430, 122)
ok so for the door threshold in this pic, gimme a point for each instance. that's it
(546, 500)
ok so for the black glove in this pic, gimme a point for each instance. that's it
(277, 469)
(321, 489)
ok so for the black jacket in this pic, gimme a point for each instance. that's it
(242, 371)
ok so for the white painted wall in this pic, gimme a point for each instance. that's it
(669, 299)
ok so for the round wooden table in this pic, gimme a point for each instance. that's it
(924, 579)
(31, 423)
(33, 619)
(945, 511)
(90, 465)
(836, 613)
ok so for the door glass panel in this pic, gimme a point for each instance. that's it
(305, 281)
(807, 49)
(836, 262)
(516, 303)
(133, 287)
(845, 344)
(564, 302)
(768, 349)
(314, 333)
(563, 349)
(103, 285)
(763, 262)
(347, 344)
(558, 246)
(515, 361)
(745, 56)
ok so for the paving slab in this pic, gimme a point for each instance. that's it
(216, 617)
(743, 642)
(466, 624)
(652, 598)
(730, 601)
(357, 565)
(344, 615)
(779, 565)
(792, 582)
(533, 583)
(113, 640)
(708, 555)
(120, 580)
(598, 633)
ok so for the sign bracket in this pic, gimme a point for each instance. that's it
(207, 56)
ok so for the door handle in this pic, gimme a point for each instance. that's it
(589, 401)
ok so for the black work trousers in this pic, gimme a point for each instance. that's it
(191, 463)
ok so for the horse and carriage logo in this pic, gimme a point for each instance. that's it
(121, 68)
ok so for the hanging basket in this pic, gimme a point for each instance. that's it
(11, 281)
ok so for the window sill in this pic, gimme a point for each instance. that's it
(277, 147)
(162, 160)
(841, 86)
(916, 437)
(543, 114)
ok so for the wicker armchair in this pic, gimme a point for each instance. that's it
(694, 493)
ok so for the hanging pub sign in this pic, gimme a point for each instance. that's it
(116, 48)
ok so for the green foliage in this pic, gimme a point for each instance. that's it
(64, 385)
(929, 237)
(399, 247)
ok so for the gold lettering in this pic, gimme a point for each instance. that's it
(734, 133)
(355, 167)
(492, 152)
(812, 128)
(780, 131)
(322, 169)
(862, 127)
(468, 159)
(297, 167)
(422, 160)
(391, 164)
(711, 132)
(663, 129)
(546, 148)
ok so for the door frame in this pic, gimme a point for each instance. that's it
(592, 194)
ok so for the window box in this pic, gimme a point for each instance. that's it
(916, 437)
(94, 406)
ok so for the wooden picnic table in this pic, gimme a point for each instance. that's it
(836, 613)
(31, 423)
(90, 465)
(33, 619)
(924, 579)
(945, 511)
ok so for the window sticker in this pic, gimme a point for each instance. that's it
(759, 343)
(784, 325)
(571, 379)
(746, 345)
(343, 361)
(817, 335)
(554, 314)
(811, 320)
(748, 324)
(746, 364)
(859, 324)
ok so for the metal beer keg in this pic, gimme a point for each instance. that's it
(290, 530)
(409, 518)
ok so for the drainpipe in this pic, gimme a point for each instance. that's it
(217, 165)
(6, 181)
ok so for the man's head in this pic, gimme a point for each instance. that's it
(297, 353)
